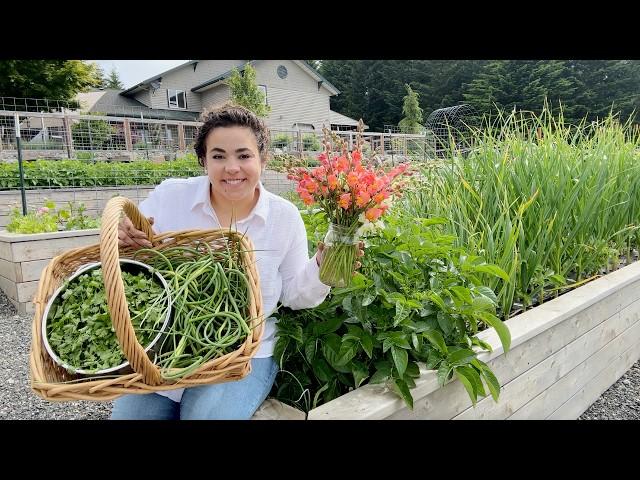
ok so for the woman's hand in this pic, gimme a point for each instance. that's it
(130, 236)
(359, 253)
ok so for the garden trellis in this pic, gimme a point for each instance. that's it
(450, 127)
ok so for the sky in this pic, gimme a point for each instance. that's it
(132, 72)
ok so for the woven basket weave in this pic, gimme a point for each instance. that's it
(54, 383)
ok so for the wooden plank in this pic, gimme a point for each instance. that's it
(9, 270)
(272, 409)
(5, 251)
(576, 405)
(595, 302)
(28, 307)
(32, 270)
(26, 291)
(81, 195)
(13, 238)
(536, 380)
(9, 288)
(40, 250)
(450, 400)
(553, 397)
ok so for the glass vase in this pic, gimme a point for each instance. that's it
(340, 252)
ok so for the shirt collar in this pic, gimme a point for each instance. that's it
(201, 197)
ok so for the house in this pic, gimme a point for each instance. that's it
(297, 94)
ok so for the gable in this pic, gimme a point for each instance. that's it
(290, 75)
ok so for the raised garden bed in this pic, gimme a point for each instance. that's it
(24, 256)
(564, 354)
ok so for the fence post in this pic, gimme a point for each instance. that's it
(181, 143)
(145, 136)
(16, 119)
(382, 144)
(67, 133)
(127, 135)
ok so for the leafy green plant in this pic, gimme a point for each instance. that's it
(284, 162)
(43, 219)
(92, 134)
(418, 298)
(554, 205)
(77, 173)
(79, 327)
(74, 218)
(281, 140)
(311, 142)
(48, 219)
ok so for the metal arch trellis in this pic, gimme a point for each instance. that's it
(453, 122)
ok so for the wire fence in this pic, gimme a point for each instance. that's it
(82, 154)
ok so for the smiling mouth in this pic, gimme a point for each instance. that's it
(236, 181)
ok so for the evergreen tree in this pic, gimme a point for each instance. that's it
(245, 91)
(490, 88)
(113, 81)
(101, 81)
(412, 121)
(374, 89)
(606, 85)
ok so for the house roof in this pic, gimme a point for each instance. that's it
(211, 83)
(217, 80)
(140, 85)
(111, 102)
(214, 82)
(336, 118)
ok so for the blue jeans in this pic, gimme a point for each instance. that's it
(236, 400)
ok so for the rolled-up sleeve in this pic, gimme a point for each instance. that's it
(301, 285)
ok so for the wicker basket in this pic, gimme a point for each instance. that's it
(54, 383)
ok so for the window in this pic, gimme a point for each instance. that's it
(263, 89)
(303, 126)
(177, 98)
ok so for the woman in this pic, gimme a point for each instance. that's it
(232, 146)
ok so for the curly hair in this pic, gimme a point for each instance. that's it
(231, 115)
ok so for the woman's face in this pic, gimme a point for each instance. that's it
(233, 163)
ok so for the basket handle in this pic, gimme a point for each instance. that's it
(114, 286)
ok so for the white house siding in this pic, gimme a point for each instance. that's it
(295, 98)
(186, 78)
(215, 96)
(143, 97)
(291, 106)
(297, 79)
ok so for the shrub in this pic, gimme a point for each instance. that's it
(48, 219)
(311, 142)
(417, 299)
(281, 140)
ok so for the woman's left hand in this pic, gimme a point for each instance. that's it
(359, 253)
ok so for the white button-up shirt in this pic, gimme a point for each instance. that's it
(275, 227)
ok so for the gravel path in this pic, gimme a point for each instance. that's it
(18, 402)
(620, 402)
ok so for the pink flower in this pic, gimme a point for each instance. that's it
(352, 179)
(341, 164)
(332, 180)
(345, 200)
(362, 199)
(373, 214)
(307, 199)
